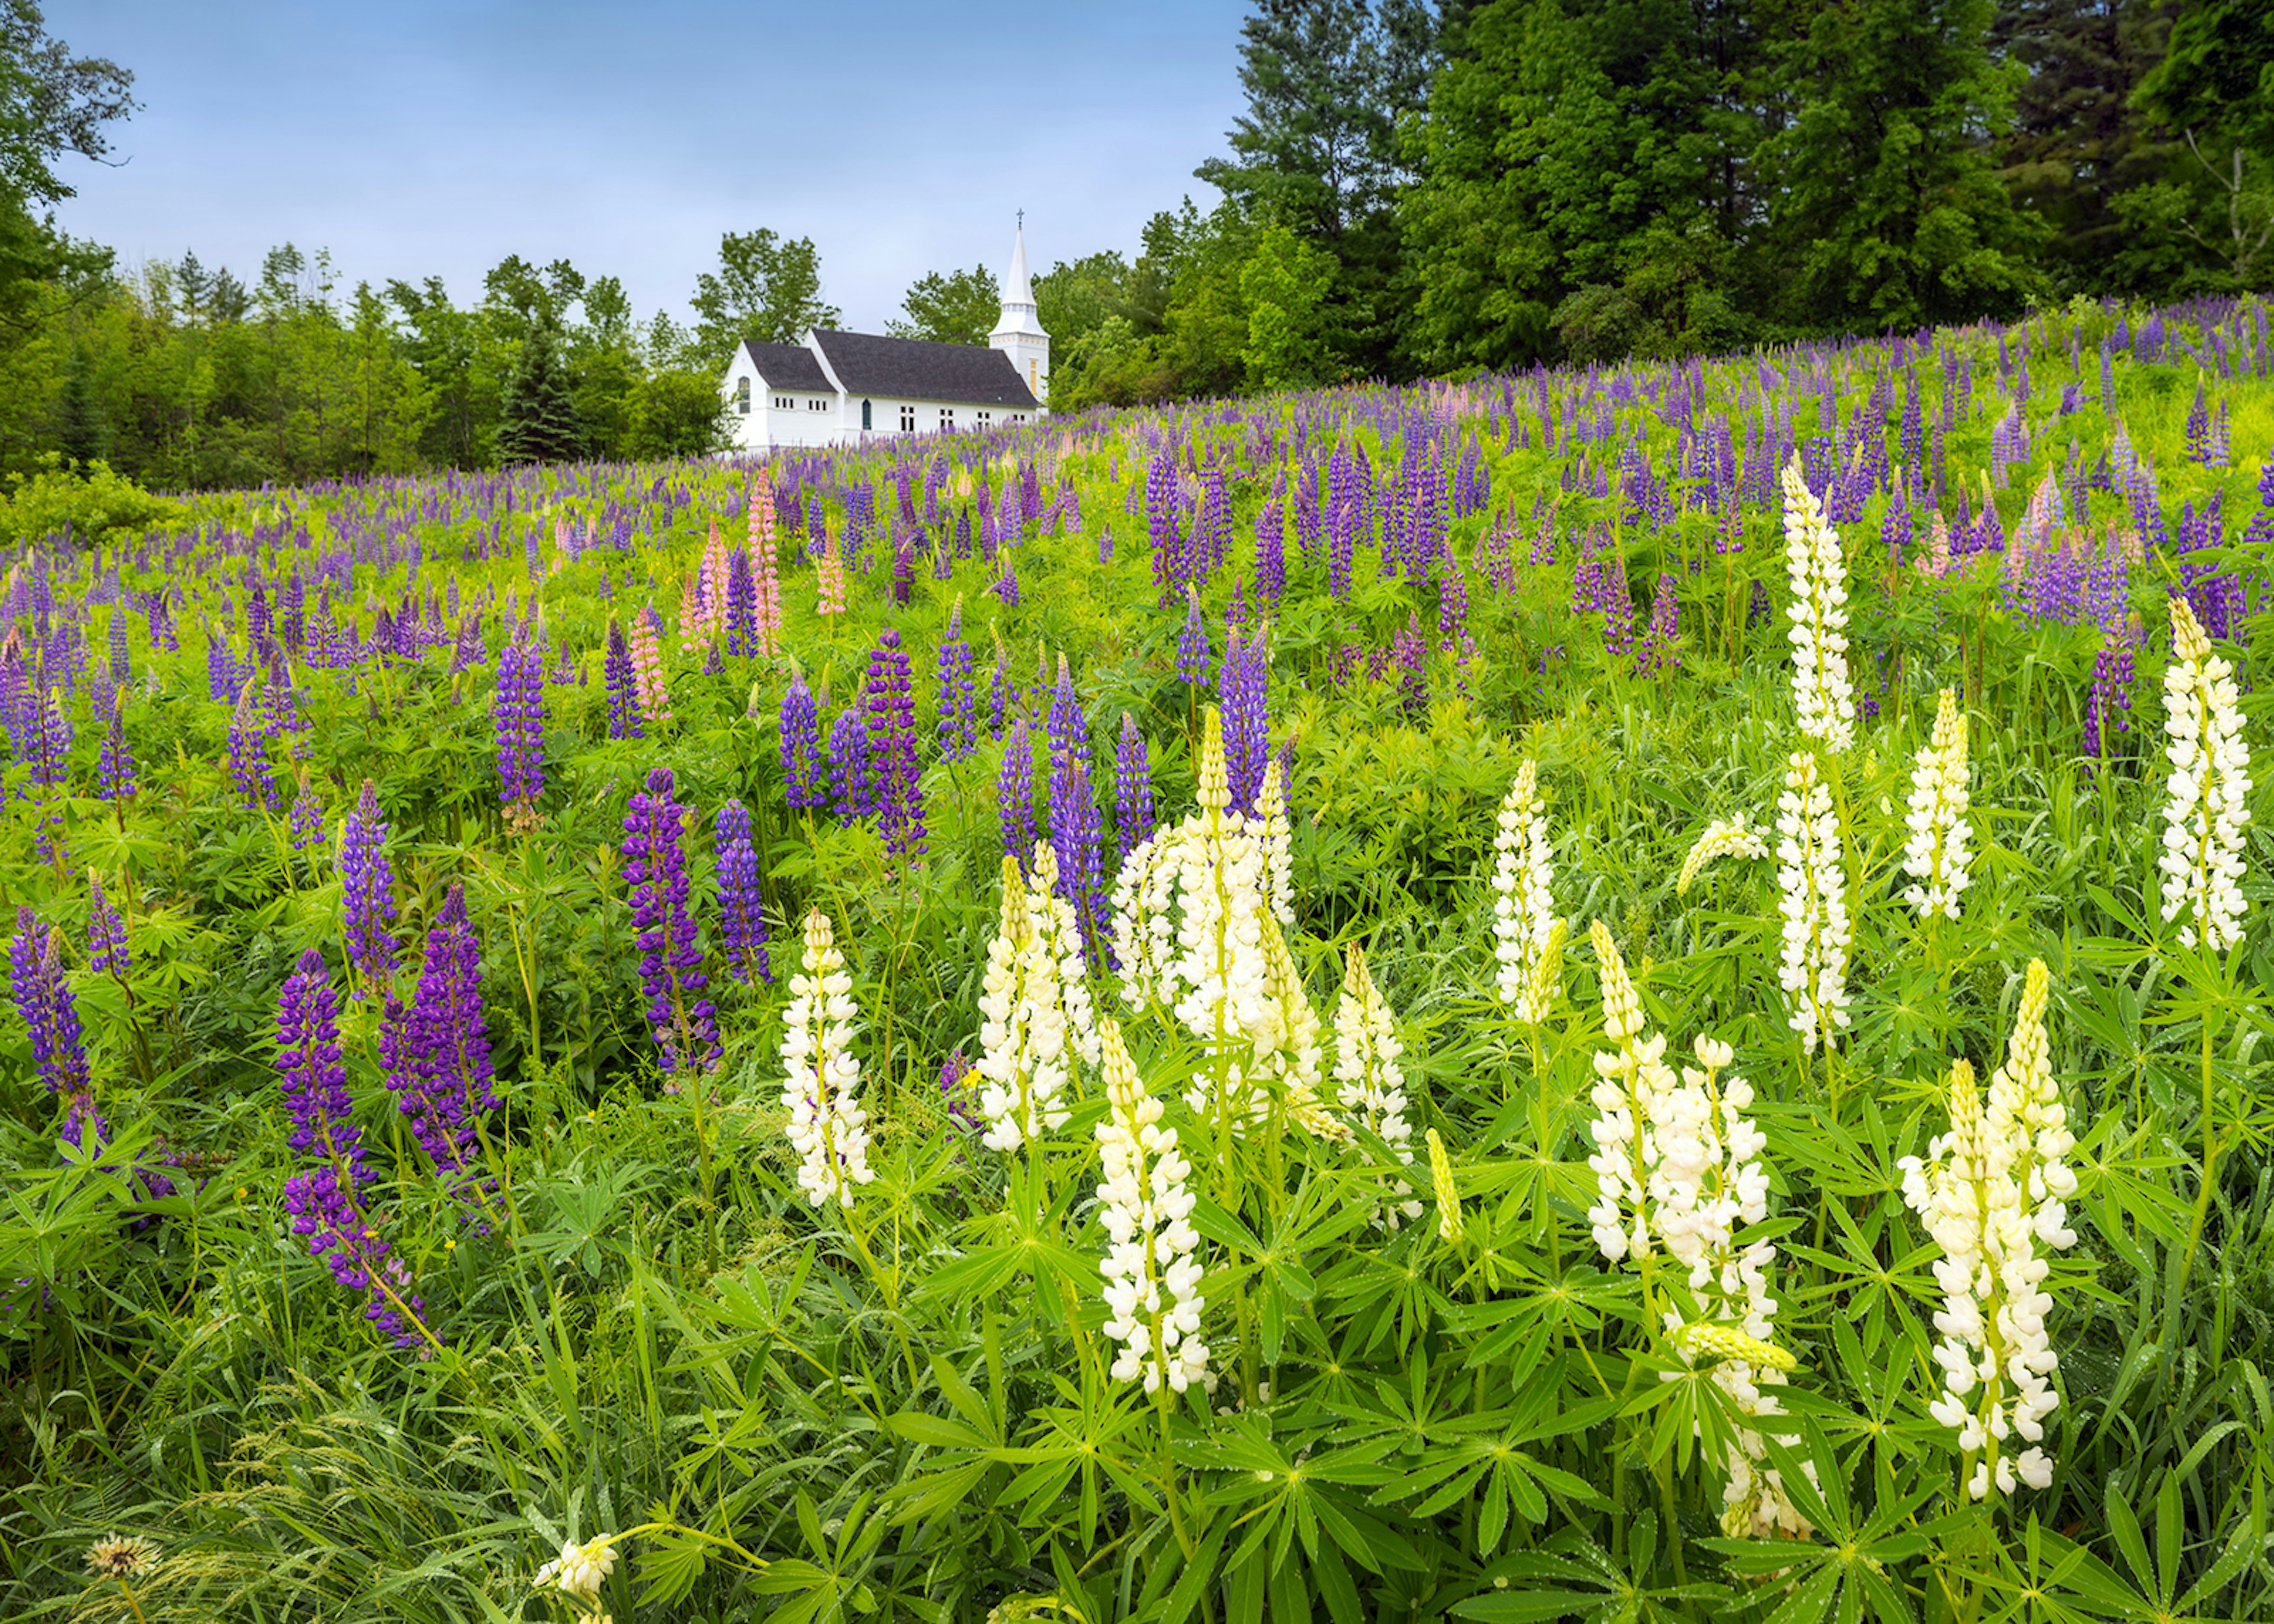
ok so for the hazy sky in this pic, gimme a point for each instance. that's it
(435, 139)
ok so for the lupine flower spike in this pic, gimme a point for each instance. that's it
(1527, 936)
(1814, 902)
(1936, 857)
(1145, 1203)
(1992, 1193)
(1723, 837)
(2206, 798)
(1819, 611)
(1366, 1070)
(827, 1124)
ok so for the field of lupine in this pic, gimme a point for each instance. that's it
(1617, 994)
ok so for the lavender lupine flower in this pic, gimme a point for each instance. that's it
(853, 785)
(892, 724)
(519, 708)
(1133, 789)
(106, 932)
(624, 719)
(803, 771)
(1193, 645)
(959, 719)
(306, 822)
(1014, 794)
(114, 767)
(367, 890)
(1076, 833)
(437, 1052)
(1241, 694)
(50, 1012)
(684, 1023)
(248, 755)
(741, 909)
(324, 1202)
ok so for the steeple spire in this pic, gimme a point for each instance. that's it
(1019, 334)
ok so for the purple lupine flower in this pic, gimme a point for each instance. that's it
(248, 755)
(1242, 695)
(1271, 546)
(114, 767)
(1412, 655)
(800, 728)
(1077, 839)
(1132, 788)
(306, 822)
(741, 909)
(853, 787)
(324, 1202)
(314, 1081)
(519, 708)
(1192, 643)
(956, 1095)
(624, 719)
(741, 605)
(1656, 653)
(50, 1011)
(367, 890)
(437, 1051)
(106, 933)
(1015, 795)
(958, 718)
(892, 724)
(685, 1023)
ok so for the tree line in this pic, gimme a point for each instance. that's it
(1413, 188)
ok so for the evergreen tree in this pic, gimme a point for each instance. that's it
(2077, 141)
(82, 430)
(537, 414)
(1884, 209)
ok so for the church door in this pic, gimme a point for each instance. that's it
(865, 416)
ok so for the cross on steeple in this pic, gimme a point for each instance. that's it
(1022, 220)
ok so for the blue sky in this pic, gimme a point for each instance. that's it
(435, 139)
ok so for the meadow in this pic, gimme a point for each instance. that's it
(1630, 993)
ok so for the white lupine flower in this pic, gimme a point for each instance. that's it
(2204, 805)
(1371, 1082)
(1814, 903)
(1145, 1203)
(1629, 1083)
(826, 1122)
(1818, 611)
(581, 1569)
(1022, 1029)
(1991, 1192)
(1144, 929)
(1057, 938)
(1723, 837)
(1527, 937)
(1936, 856)
(1190, 908)
(1278, 838)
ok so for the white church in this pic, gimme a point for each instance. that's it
(834, 388)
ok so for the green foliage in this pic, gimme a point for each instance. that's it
(537, 421)
(89, 503)
(951, 307)
(766, 288)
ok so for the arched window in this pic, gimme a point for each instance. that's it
(742, 396)
(865, 425)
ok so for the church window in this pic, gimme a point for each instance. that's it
(742, 396)
(817, 405)
(1030, 372)
(783, 402)
(984, 417)
(907, 419)
(947, 417)
(865, 425)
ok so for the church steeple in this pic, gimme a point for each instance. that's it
(1019, 334)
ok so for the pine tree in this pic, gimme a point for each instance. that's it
(537, 415)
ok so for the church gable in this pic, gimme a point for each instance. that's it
(786, 367)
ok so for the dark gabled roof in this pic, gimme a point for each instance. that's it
(918, 370)
(788, 366)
